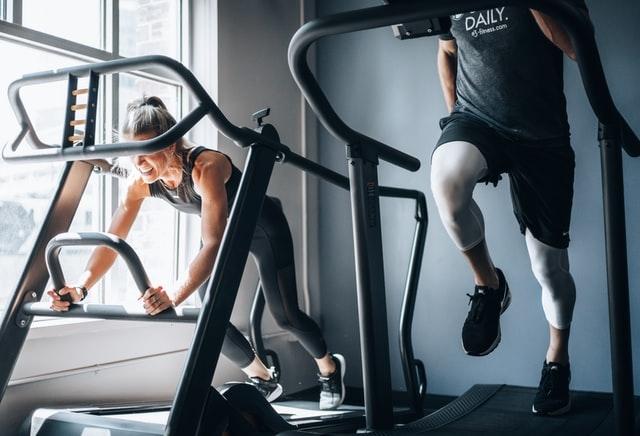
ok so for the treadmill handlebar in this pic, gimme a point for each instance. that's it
(42, 152)
(575, 20)
(630, 141)
(91, 239)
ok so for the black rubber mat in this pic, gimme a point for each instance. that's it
(457, 409)
(507, 411)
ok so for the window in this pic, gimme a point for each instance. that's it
(46, 35)
(74, 20)
(149, 26)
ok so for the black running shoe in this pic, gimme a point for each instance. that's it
(553, 396)
(481, 330)
(332, 387)
(270, 389)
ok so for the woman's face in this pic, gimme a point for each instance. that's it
(150, 166)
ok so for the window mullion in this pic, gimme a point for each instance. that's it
(114, 26)
(15, 14)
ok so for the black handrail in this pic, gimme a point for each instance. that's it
(113, 312)
(576, 22)
(42, 152)
(91, 239)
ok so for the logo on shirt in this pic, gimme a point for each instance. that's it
(489, 21)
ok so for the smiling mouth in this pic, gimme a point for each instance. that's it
(145, 173)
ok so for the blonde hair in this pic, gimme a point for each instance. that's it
(149, 115)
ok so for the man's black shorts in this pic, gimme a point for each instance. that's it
(541, 174)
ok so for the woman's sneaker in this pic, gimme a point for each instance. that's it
(270, 389)
(553, 396)
(481, 330)
(332, 389)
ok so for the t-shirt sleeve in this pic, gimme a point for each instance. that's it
(446, 36)
(579, 3)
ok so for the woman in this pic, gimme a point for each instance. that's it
(201, 181)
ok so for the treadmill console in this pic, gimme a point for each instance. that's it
(419, 29)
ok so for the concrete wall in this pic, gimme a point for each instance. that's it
(389, 90)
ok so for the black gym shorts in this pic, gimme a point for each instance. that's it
(541, 174)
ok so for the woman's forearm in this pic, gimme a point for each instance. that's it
(199, 270)
(99, 263)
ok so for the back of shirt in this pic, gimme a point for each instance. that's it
(509, 74)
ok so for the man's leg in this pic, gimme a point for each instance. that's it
(456, 168)
(550, 266)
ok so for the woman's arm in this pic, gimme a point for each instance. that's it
(102, 257)
(210, 173)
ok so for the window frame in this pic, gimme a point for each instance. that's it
(12, 30)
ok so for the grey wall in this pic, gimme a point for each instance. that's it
(390, 90)
(253, 36)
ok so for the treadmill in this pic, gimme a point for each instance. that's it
(197, 409)
(85, 157)
(490, 409)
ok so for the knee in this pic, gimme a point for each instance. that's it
(451, 194)
(553, 278)
(544, 269)
(284, 323)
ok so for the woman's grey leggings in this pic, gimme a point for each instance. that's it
(272, 250)
(456, 167)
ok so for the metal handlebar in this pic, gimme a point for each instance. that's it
(43, 152)
(572, 18)
(90, 239)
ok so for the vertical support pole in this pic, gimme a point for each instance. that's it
(67, 131)
(92, 110)
(372, 311)
(255, 322)
(194, 389)
(617, 279)
(414, 374)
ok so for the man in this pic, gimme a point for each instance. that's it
(501, 72)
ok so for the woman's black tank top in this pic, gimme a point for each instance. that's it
(184, 197)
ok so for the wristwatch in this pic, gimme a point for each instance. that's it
(82, 290)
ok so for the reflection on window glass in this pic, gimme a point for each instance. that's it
(74, 259)
(149, 27)
(25, 194)
(26, 189)
(78, 21)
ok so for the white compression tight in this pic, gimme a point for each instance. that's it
(456, 167)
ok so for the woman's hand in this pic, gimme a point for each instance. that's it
(156, 300)
(56, 301)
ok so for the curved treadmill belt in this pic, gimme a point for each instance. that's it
(503, 410)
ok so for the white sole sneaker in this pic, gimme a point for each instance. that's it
(343, 366)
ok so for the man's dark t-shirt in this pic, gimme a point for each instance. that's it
(509, 74)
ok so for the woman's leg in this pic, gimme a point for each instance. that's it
(237, 349)
(272, 249)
